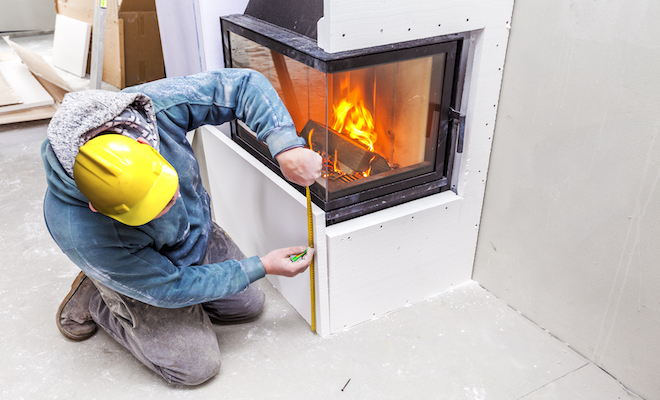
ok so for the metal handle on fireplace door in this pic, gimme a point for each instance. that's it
(458, 128)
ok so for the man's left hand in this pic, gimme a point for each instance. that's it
(300, 165)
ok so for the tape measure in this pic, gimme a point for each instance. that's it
(310, 233)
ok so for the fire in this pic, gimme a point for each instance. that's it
(309, 138)
(355, 120)
(368, 172)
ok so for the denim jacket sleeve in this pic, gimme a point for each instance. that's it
(215, 97)
(118, 258)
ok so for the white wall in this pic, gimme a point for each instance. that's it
(190, 33)
(349, 25)
(571, 218)
(27, 15)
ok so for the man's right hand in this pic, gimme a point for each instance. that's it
(300, 165)
(278, 262)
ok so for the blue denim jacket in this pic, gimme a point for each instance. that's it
(158, 263)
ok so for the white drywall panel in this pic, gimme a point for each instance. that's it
(7, 94)
(395, 257)
(190, 33)
(349, 25)
(571, 216)
(24, 85)
(71, 44)
(181, 37)
(262, 212)
(210, 13)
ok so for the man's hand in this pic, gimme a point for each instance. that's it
(278, 262)
(300, 165)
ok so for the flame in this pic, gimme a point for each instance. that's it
(334, 165)
(309, 138)
(355, 120)
(368, 172)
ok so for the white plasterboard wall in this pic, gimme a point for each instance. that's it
(395, 257)
(572, 208)
(27, 15)
(180, 37)
(349, 25)
(211, 11)
(190, 33)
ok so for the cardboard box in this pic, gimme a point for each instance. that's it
(132, 52)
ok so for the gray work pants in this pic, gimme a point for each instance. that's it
(178, 344)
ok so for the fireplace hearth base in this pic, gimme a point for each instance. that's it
(365, 267)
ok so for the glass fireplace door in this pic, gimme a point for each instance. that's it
(378, 123)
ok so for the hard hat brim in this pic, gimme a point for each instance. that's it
(162, 191)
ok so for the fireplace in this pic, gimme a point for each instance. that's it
(367, 263)
(382, 118)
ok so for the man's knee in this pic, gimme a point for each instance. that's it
(239, 307)
(178, 344)
(255, 305)
(194, 373)
(251, 302)
(187, 356)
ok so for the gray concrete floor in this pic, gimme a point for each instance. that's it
(462, 344)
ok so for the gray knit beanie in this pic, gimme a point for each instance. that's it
(84, 115)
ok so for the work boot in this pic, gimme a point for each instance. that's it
(73, 318)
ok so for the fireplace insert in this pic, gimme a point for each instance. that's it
(382, 118)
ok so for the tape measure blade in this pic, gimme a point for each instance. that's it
(312, 281)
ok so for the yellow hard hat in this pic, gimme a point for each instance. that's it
(124, 179)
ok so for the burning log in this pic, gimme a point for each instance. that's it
(346, 155)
